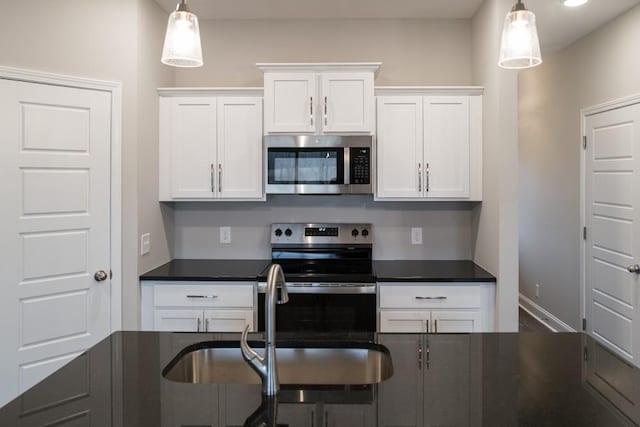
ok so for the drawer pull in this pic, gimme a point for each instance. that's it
(203, 296)
(431, 298)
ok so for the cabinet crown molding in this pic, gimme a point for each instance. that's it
(429, 90)
(210, 91)
(319, 66)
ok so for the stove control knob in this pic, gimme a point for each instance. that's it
(278, 232)
(354, 233)
(365, 232)
(288, 232)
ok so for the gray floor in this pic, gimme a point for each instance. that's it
(529, 324)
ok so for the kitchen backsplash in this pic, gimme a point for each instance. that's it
(446, 227)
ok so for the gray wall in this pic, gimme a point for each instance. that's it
(413, 51)
(600, 67)
(495, 221)
(446, 227)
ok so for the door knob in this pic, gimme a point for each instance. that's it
(100, 276)
(635, 268)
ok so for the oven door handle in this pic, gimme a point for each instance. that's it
(326, 288)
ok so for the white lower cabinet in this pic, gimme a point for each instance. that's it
(436, 308)
(198, 306)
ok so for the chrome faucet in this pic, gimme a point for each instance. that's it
(266, 366)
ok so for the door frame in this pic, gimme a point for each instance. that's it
(584, 114)
(115, 89)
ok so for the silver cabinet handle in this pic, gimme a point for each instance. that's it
(431, 298)
(635, 268)
(219, 177)
(325, 110)
(428, 357)
(427, 325)
(427, 172)
(419, 356)
(311, 110)
(313, 418)
(419, 177)
(202, 296)
(213, 188)
(199, 324)
(436, 325)
(206, 325)
(326, 419)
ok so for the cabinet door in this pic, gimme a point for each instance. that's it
(347, 102)
(193, 143)
(177, 320)
(446, 146)
(349, 415)
(400, 398)
(299, 415)
(239, 168)
(227, 320)
(453, 321)
(416, 321)
(289, 100)
(400, 147)
(446, 381)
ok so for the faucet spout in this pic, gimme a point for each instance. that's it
(266, 366)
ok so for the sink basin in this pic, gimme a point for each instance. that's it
(220, 362)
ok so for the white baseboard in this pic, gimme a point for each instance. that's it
(543, 316)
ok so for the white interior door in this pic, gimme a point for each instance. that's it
(240, 148)
(55, 147)
(612, 248)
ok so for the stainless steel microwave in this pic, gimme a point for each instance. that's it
(318, 164)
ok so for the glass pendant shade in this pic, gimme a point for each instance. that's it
(182, 46)
(520, 46)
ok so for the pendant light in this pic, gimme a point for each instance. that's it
(520, 47)
(182, 41)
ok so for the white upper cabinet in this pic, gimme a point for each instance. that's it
(289, 102)
(192, 132)
(400, 147)
(210, 146)
(429, 146)
(319, 98)
(446, 146)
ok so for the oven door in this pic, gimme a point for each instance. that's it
(324, 308)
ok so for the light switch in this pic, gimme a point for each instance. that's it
(416, 236)
(145, 243)
(225, 234)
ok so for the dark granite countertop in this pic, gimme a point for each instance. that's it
(383, 270)
(208, 270)
(468, 379)
(430, 271)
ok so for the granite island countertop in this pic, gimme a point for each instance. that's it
(468, 379)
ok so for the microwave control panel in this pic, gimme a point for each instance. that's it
(360, 165)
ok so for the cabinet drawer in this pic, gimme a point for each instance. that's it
(232, 295)
(422, 296)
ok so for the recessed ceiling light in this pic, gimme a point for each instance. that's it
(574, 3)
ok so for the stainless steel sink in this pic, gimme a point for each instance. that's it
(221, 363)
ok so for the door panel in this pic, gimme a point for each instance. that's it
(612, 201)
(446, 322)
(177, 320)
(193, 142)
(400, 147)
(347, 102)
(227, 320)
(447, 146)
(239, 148)
(55, 182)
(290, 102)
(404, 321)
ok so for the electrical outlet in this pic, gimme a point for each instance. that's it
(416, 236)
(537, 290)
(145, 243)
(225, 235)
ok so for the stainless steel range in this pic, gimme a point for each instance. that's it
(328, 268)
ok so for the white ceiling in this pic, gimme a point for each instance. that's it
(558, 25)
